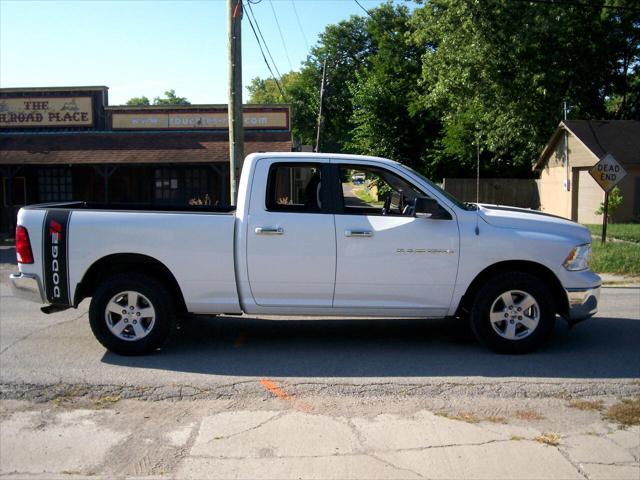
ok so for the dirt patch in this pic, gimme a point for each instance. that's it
(596, 405)
(548, 439)
(528, 415)
(626, 413)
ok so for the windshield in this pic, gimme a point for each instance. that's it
(454, 200)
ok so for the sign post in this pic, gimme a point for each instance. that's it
(607, 173)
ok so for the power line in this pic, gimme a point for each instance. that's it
(284, 44)
(264, 56)
(364, 9)
(295, 11)
(255, 20)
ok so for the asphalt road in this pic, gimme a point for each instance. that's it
(216, 355)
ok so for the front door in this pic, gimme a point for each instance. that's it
(291, 247)
(386, 257)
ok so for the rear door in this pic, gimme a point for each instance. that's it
(291, 245)
(386, 257)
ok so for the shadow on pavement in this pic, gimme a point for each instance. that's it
(245, 346)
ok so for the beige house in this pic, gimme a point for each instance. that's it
(567, 189)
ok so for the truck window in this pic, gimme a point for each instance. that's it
(375, 191)
(294, 188)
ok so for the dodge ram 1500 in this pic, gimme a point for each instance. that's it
(307, 239)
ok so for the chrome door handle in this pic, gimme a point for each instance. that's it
(358, 233)
(269, 231)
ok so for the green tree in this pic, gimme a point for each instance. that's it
(138, 101)
(345, 47)
(498, 71)
(384, 92)
(299, 92)
(171, 99)
(615, 200)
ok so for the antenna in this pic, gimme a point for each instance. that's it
(477, 182)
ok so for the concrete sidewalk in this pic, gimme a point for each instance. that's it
(613, 280)
(289, 437)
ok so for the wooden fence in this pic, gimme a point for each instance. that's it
(517, 192)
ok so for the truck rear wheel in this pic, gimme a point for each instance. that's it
(513, 313)
(131, 314)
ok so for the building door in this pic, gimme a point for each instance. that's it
(291, 251)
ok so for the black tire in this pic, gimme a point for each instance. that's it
(153, 293)
(487, 299)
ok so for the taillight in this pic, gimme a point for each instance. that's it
(23, 246)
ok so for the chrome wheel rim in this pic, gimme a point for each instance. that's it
(130, 316)
(514, 315)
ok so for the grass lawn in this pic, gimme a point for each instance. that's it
(617, 257)
(620, 258)
(622, 231)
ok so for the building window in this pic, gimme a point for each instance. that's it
(18, 192)
(197, 186)
(55, 185)
(182, 186)
(166, 185)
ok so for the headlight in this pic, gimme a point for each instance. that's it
(579, 258)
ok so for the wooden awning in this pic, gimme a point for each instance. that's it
(131, 148)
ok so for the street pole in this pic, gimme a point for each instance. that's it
(324, 76)
(236, 126)
(605, 219)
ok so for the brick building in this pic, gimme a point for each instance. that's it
(60, 144)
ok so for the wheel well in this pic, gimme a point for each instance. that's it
(536, 269)
(127, 262)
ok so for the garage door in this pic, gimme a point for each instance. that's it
(590, 195)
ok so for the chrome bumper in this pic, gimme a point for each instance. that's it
(583, 303)
(27, 287)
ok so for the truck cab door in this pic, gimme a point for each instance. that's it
(387, 258)
(291, 245)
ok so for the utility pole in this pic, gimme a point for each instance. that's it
(236, 125)
(324, 76)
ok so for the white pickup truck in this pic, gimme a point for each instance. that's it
(306, 239)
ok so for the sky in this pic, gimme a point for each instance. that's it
(147, 47)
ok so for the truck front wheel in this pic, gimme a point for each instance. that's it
(513, 313)
(131, 314)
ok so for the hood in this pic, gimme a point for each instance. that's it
(532, 220)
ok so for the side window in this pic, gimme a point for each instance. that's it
(294, 188)
(375, 191)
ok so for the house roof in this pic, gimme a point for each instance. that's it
(118, 148)
(620, 138)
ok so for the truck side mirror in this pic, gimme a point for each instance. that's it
(426, 207)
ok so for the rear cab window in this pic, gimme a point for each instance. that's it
(295, 187)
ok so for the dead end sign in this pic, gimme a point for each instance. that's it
(607, 172)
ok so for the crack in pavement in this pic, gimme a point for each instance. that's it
(251, 389)
(573, 463)
(255, 427)
(367, 452)
(394, 466)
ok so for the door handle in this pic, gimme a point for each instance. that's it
(358, 233)
(269, 231)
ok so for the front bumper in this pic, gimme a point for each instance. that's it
(27, 287)
(583, 303)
